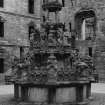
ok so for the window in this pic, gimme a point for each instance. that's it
(21, 51)
(90, 51)
(70, 26)
(44, 19)
(1, 29)
(44, 1)
(1, 65)
(64, 27)
(63, 3)
(1, 3)
(31, 6)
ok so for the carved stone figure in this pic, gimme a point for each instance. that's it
(51, 37)
(32, 34)
(60, 35)
(34, 37)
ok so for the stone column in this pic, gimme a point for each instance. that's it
(24, 93)
(16, 91)
(51, 95)
(98, 27)
(84, 92)
(73, 23)
(79, 93)
(83, 30)
(89, 90)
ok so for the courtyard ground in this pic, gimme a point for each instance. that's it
(98, 94)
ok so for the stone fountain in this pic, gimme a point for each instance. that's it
(52, 71)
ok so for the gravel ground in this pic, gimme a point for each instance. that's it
(6, 95)
(98, 99)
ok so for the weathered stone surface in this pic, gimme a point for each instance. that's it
(98, 45)
(16, 21)
(66, 95)
(37, 94)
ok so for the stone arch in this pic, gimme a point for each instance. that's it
(85, 17)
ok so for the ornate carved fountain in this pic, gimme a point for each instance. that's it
(52, 71)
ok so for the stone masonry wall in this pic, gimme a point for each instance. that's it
(67, 15)
(98, 6)
(16, 22)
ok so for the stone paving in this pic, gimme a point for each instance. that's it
(6, 95)
(99, 99)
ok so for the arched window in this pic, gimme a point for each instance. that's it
(85, 24)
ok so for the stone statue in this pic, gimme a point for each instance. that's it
(51, 37)
(34, 37)
(32, 34)
(60, 35)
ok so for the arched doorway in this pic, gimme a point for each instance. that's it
(85, 24)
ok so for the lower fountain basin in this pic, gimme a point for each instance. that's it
(74, 92)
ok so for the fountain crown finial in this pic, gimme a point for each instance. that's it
(52, 6)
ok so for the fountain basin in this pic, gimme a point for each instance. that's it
(73, 92)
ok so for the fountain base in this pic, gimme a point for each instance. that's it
(74, 93)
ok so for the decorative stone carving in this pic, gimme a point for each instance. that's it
(35, 37)
(52, 68)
